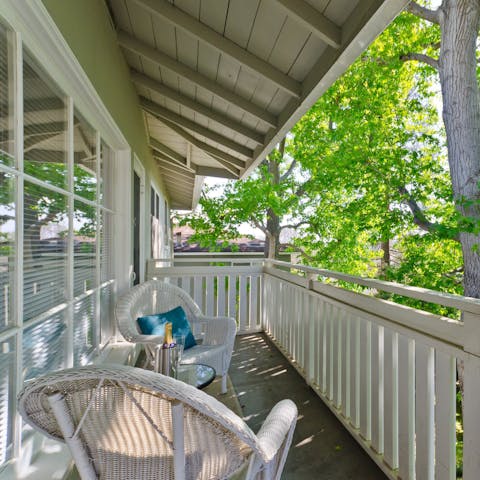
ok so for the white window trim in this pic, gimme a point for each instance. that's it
(140, 171)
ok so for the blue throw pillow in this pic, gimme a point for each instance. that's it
(155, 325)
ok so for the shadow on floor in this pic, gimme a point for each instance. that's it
(321, 448)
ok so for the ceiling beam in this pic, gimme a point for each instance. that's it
(312, 19)
(173, 163)
(158, 111)
(194, 168)
(212, 152)
(153, 85)
(202, 32)
(160, 147)
(215, 172)
(163, 60)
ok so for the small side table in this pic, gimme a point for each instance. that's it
(196, 374)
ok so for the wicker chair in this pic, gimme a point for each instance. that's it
(127, 423)
(156, 296)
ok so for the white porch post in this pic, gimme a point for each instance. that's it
(471, 382)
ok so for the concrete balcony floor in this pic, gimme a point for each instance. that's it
(322, 448)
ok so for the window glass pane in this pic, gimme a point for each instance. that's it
(45, 126)
(45, 249)
(85, 168)
(83, 329)
(6, 98)
(6, 399)
(7, 248)
(84, 247)
(44, 346)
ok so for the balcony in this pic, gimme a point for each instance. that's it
(385, 370)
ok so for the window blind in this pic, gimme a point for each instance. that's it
(45, 250)
(83, 329)
(44, 346)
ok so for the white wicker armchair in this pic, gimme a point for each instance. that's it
(127, 423)
(156, 296)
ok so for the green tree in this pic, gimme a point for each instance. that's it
(272, 199)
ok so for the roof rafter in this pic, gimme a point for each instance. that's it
(151, 84)
(159, 146)
(164, 158)
(212, 152)
(163, 113)
(311, 18)
(163, 60)
(222, 44)
(205, 171)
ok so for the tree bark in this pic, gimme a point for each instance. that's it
(273, 221)
(459, 23)
(385, 261)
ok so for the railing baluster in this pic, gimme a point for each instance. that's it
(406, 408)
(337, 359)
(377, 388)
(391, 398)
(232, 296)
(198, 291)
(243, 307)
(346, 365)
(445, 410)
(209, 296)
(253, 315)
(366, 379)
(221, 298)
(424, 412)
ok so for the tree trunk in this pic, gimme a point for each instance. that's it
(273, 221)
(385, 261)
(459, 23)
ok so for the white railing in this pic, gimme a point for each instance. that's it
(387, 371)
(219, 290)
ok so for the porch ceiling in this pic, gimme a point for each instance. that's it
(222, 81)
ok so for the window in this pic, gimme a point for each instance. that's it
(56, 234)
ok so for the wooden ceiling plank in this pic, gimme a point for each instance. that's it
(170, 176)
(165, 91)
(163, 60)
(213, 152)
(206, 34)
(166, 114)
(311, 18)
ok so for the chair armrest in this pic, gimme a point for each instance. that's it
(219, 330)
(148, 339)
(275, 435)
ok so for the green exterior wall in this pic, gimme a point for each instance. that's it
(87, 28)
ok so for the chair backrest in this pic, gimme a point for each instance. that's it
(154, 296)
(127, 423)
